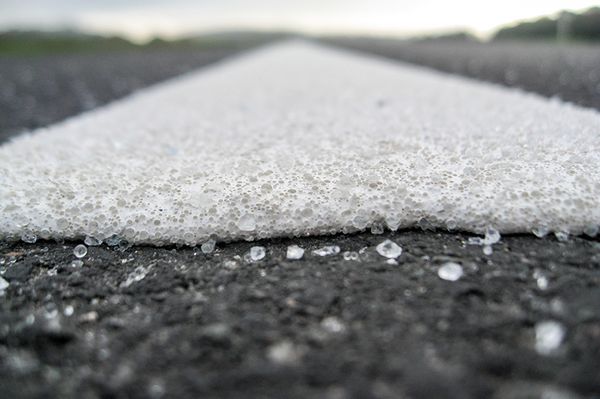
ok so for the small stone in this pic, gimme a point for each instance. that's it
(389, 249)
(475, 241)
(284, 353)
(3, 284)
(69, 310)
(392, 262)
(246, 223)
(208, 246)
(21, 362)
(77, 263)
(540, 279)
(156, 389)
(450, 271)
(80, 251)
(92, 241)
(89, 317)
(333, 325)
(30, 319)
(294, 252)
(230, 264)
(350, 255)
(256, 254)
(217, 332)
(492, 236)
(28, 237)
(327, 250)
(18, 272)
(557, 306)
(549, 336)
(138, 274)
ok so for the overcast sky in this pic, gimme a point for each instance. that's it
(141, 19)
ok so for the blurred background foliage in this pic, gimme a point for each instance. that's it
(565, 26)
(562, 27)
(52, 42)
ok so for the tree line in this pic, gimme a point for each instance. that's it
(564, 26)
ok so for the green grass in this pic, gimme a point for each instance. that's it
(45, 43)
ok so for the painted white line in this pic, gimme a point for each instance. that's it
(299, 139)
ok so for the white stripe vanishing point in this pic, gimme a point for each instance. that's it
(297, 139)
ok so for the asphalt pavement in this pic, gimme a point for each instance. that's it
(36, 91)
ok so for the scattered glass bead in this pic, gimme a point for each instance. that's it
(28, 237)
(294, 252)
(450, 271)
(208, 247)
(561, 236)
(540, 232)
(389, 249)
(492, 236)
(333, 325)
(80, 251)
(255, 254)
(92, 241)
(3, 284)
(549, 336)
(540, 279)
(327, 250)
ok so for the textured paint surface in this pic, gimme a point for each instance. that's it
(298, 139)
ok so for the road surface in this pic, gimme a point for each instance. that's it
(173, 322)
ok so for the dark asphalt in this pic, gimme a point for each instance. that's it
(172, 322)
(37, 91)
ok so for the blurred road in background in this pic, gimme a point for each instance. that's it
(38, 90)
(568, 71)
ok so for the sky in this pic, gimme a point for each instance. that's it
(143, 19)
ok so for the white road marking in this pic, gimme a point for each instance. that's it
(299, 139)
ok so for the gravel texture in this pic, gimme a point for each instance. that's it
(173, 322)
